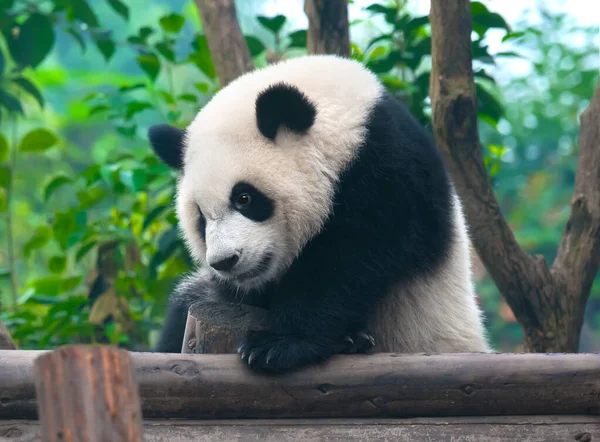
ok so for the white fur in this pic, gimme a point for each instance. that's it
(435, 315)
(224, 146)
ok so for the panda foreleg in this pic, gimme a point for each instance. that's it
(197, 287)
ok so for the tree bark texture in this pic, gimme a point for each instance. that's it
(6, 341)
(548, 302)
(347, 386)
(227, 45)
(328, 29)
(88, 394)
(217, 328)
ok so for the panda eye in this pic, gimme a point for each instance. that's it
(243, 199)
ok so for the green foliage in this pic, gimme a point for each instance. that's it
(98, 249)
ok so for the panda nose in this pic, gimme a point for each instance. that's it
(225, 265)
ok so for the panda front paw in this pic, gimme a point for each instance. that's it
(357, 342)
(278, 353)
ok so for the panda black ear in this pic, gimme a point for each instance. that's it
(283, 104)
(167, 142)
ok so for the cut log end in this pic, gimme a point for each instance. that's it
(217, 328)
(88, 393)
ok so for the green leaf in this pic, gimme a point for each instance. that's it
(154, 213)
(73, 32)
(57, 264)
(127, 131)
(202, 87)
(170, 99)
(298, 39)
(389, 13)
(54, 184)
(201, 57)
(142, 37)
(166, 51)
(134, 179)
(4, 149)
(131, 87)
(38, 140)
(81, 10)
(81, 218)
(28, 87)
(478, 8)
(150, 64)
(5, 174)
(106, 46)
(488, 104)
(10, 102)
(415, 24)
(513, 36)
(191, 98)
(172, 23)
(98, 109)
(3, 201)
(134, 107)
(33, 42)
(38, 240)
(273, 24)
(2, 63)
(381, 65)
(255, 46)
(120, 8)
(84, 250)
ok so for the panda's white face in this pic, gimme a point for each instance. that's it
(239, 213)
(261, 162)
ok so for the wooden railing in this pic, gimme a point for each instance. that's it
(102, 393)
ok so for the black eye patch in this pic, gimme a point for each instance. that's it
(201, 223)
(251, 202)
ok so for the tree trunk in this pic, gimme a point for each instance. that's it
(548, 302)
(227, 45)
(328, 31)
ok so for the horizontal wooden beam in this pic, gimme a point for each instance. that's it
(195, 386)
(482, 429)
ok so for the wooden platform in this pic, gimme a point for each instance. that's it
(497, 429)
(458, 397)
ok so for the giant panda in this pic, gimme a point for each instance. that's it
(306, 188)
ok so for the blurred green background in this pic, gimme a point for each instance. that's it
(90, 248)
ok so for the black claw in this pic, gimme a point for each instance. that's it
(252, 356)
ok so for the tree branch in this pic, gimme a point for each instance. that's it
(578, 255)
(550, 319)
(328, 31)
(226, 42)
(6, 341)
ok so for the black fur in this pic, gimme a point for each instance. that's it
(260, 208)
(168, 143)
(201, 224)
(392, 222)
(283, 104)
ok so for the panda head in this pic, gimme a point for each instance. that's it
(259, 164)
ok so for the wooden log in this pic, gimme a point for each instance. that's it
(217, 328)
(347, 386)
(483, 429)
(87, 394)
